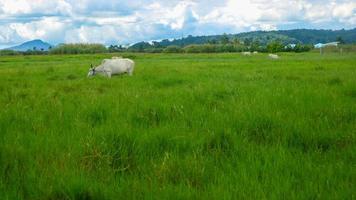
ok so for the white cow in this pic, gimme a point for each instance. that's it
(246, 53)
(113, 66)
(273, 56)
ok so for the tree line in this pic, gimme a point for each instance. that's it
(261, 41)
(223, 46)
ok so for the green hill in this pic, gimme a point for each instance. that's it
(298, 36)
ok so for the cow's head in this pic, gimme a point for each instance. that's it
(91, 71)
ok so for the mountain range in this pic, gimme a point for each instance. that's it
(37, 45)
(296, 36)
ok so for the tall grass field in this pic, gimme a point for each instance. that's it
(184, 126)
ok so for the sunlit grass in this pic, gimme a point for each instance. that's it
(207, 126)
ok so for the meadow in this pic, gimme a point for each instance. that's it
(185, 126)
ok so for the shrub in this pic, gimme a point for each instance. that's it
(210, 48)
(226, 48)
(275, 47)
(115, 48)
(172, 49)
(8, 52)
(34, 52)
(79, 48)
(154, 50)
(192, 49)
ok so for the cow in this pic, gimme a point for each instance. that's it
(273, 56)
(246, 53)
(115, 66)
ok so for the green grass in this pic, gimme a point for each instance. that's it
(185, 126)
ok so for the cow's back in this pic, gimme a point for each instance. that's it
(118, 66)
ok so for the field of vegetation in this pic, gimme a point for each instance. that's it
(185, 126)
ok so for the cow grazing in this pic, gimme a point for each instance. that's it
(273, 56)
(246, 53)
(114, 66)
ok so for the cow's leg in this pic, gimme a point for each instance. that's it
(130, 72)
(108, 74)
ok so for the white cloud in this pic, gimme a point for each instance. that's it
(126, 21)
(344, 10)
(255, 14)
(268, 27)
(7, 35)
(17, 7)
(46, 28)
(95, 34)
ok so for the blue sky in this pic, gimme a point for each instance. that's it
(129, 21)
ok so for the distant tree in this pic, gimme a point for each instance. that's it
(255, 45)
(224, 39)
(301, 48)
(275, 46)
(247, 41)
(157, 45)
(115, 48)
(172, 49)
(140, 48)
(192, 49)
(236, 41)
(226, 48)
(340, 40)
(212, 41)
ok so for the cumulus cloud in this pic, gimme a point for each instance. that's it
(18, 7)
(113, 22)
(344, 10)
(46, 28)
